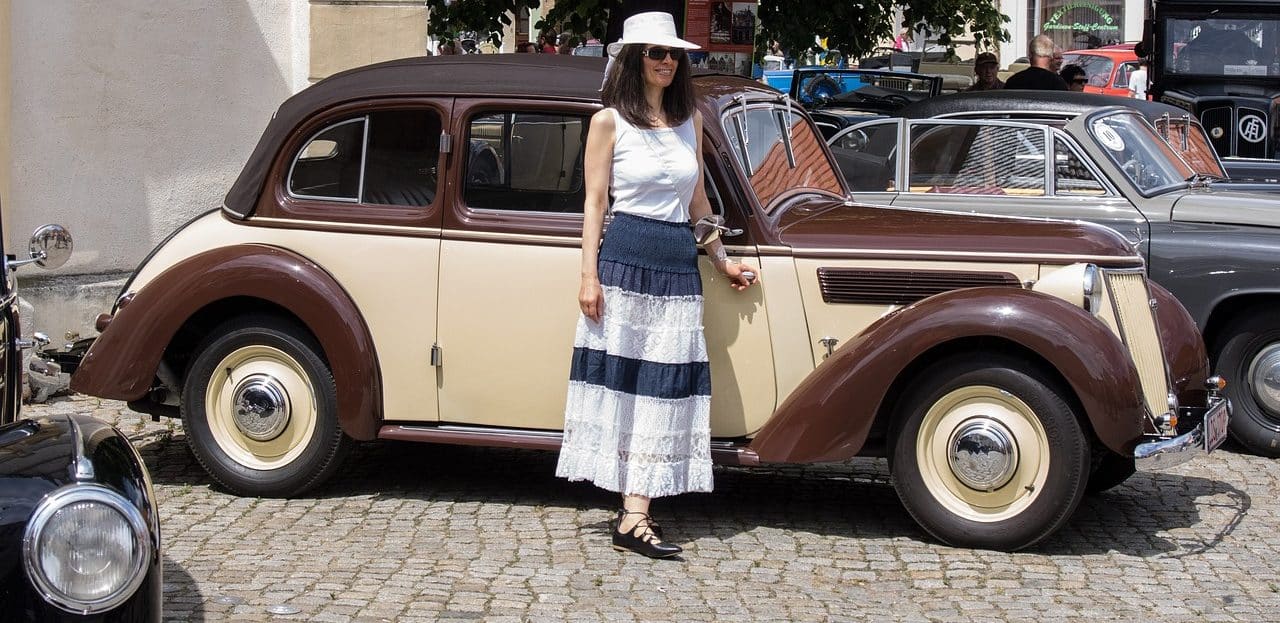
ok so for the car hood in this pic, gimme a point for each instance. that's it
(816, 225)
(40, 455)
(1228, 208)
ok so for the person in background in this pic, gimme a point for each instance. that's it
(1075, 77)
(903, 40)
(1055, 61)
(1038, 76)
(528, 47)
(547, 42)
(447, 48)
(1138, 81)
(985, 68)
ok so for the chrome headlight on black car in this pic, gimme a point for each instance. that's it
(86, 548)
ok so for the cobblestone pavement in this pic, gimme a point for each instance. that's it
(441, 533)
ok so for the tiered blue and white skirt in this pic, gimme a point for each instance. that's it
(637, 419)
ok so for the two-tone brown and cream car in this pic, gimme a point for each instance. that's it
(399, 259)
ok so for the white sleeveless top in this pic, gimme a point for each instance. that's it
(654, 170)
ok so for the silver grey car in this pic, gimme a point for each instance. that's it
(1081, 156)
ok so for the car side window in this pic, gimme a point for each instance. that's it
(1071, 176)
(525, 161)
(976, 159)
(328, 166)
(1122, 75)
(383, 158)
(868, 155)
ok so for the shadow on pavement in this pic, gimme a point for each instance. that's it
(182, 598)
(854, 499)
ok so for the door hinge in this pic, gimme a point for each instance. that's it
(446, 142)
(435, 355)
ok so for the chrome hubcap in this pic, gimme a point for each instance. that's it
(1264, 378)
(261, 407)
(982, 454)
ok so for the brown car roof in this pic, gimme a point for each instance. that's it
(513, 75)
(505, 75)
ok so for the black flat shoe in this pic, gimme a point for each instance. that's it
(637, 540)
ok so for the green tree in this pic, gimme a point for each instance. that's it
(853, 28)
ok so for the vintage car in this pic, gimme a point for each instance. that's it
(361, 281)
(1220, 60)
(79, 533)
(1213, 247)
(838, 98)
(1107, 69)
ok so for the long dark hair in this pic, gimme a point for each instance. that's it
(624, 89)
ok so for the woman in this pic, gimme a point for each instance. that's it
(637, 418)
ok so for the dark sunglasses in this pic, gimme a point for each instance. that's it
(1081, 81)
(657, 54)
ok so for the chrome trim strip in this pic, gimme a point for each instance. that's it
(1029, 257)
(82, 467)
(387, 229)
(486, 430)
(491, 236)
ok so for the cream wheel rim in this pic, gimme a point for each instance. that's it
(983, 453)
(261, 407)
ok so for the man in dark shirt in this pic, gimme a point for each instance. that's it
(1038, 76)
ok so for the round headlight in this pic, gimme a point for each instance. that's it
(86, 548)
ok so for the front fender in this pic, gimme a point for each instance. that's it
(122, 362)
(1183, 345)
(828, 416)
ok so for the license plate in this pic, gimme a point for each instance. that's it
(1215, 426)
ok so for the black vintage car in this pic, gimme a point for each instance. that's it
(1220, 60)
(79, 533)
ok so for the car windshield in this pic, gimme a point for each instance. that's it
(779, 150)
(1134, 146)
(851, 87)
(1223, 47)
(1189, 140)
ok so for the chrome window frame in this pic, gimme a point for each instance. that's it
(1047, 165)
(364, 151)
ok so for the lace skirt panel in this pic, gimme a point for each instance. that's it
(637, 416)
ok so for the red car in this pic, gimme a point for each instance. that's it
(1108, 68)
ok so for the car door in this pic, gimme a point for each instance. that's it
(360, 195)
(510, 271)
(1009, 168)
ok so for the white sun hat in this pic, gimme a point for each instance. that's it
(653, 28)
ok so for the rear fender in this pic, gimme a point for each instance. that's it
(123, 361)
(828, 416)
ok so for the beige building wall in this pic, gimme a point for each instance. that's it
(124, 120)
(346, 34)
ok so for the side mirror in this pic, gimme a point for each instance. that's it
(50, 247)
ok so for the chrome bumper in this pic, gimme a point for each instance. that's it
(1160, 454)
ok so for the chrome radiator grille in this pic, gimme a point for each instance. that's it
(1135, 321)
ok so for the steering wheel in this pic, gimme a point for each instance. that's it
(822, 87)
(1137, 171)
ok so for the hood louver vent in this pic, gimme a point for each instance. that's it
(900, 287)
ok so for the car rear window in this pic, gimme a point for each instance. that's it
(382, 158)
